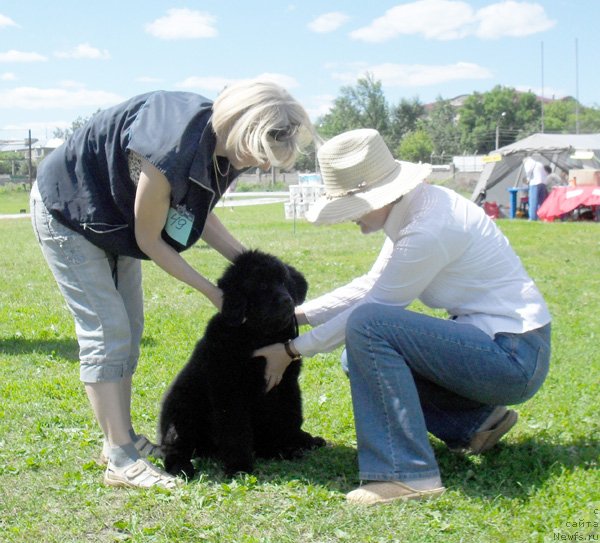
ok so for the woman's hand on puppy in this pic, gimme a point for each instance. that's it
(277, 362)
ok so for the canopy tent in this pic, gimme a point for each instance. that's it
(504, 167)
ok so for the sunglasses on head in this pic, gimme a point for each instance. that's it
(284, 134)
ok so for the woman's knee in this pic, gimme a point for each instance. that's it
(360, 320)
(108, 357)
(106, 341)
(374, 316)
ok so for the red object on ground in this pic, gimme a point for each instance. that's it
(563, 200)
(491, 209)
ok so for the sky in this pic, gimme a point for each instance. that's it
(64, 60)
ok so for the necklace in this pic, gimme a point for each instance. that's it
(218, 170)
(218, 173)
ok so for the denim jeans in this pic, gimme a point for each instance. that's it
(411, 373)
(103, 293)
(537, 195)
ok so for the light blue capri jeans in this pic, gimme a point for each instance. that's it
(102, 291)
(411, 374)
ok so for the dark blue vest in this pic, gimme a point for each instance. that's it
(85, 183)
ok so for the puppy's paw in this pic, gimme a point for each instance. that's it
(309, 442)
(180, 467)
(317, 442)
(231, 470)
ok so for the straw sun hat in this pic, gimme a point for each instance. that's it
(361, 175)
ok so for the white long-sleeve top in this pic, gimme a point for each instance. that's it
(445, 251)
(535, 172)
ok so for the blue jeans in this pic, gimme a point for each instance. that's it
(103, 293)
(411, 373)
(537, 195)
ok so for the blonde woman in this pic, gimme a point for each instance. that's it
(140, 181)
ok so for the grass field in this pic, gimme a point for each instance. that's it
(14, 198)
(541, 484)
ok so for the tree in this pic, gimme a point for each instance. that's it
(360, 106)
(528, 115)
(559, 116)
(589, 119)
(502, 111)
(64, 133)
(416, 147)
(498, 117)
(564, 115)
(343, 116)
(306, 159)
(404, 118)
(14, 163)
(442, 127)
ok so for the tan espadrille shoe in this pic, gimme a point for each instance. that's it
(377, 492)
(500, 421)
(498, 424)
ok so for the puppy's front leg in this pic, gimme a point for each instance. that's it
(232, 428)
(234, 442)
(176, 453)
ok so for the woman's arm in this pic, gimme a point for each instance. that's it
(152, 202)
(220, 239)
(327, 306)
(301, 316)
(323, 309)
(401, 273)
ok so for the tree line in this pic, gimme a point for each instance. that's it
(414, 131)
(477, 124)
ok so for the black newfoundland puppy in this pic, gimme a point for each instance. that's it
(217, 405)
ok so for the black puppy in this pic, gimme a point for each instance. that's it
(217, 406)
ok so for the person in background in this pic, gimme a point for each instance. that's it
(411, 373)
(536, 175)
(553, 179)
(140, 181)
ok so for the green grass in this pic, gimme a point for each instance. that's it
(541, 484)
(14, 198)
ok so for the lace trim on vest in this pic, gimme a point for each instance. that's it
(134, 162)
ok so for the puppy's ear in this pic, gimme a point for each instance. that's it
(234, 308)
(299, 286)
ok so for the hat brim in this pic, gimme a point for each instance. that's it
(353, 206)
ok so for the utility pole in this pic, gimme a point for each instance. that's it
(503, 114)
(542, 87)
(576, 87)
(30, 166)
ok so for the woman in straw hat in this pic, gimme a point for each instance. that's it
(140, 181)
(411, 373)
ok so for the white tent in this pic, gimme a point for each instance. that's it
(561, 151)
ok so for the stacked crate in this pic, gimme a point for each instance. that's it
(303, 195)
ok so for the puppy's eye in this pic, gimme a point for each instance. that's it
(258, 286)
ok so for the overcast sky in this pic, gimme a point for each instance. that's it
(65, 59)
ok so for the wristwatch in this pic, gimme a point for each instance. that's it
(288, 349)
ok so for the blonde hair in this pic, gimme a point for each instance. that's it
(261, 119)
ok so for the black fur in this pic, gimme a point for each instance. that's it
(217, 405)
